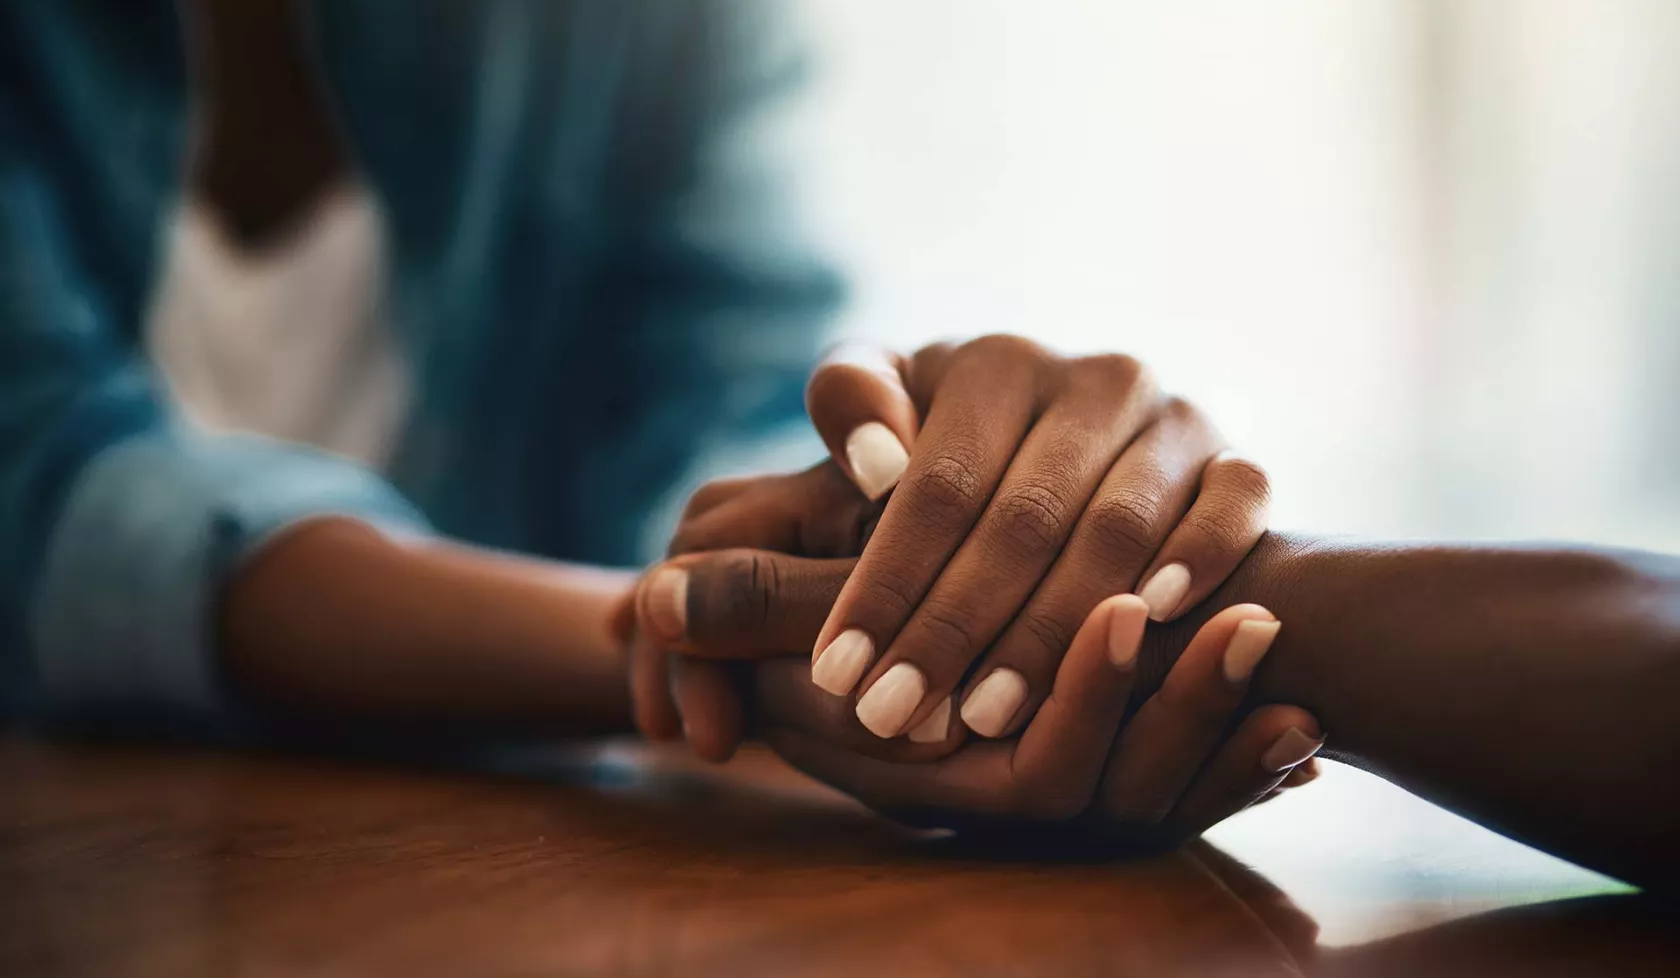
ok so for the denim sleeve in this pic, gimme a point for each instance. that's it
(719, 288)
(121, 621)
(116, 526)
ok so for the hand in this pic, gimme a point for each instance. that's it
(1167, 502)
(1171, 774)
(1177, 768)
(677, 683)
(1036, 486)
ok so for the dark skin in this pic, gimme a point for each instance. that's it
(1186, 760)
(334, 620)
(1531, 689)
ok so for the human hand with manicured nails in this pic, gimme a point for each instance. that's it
(1155, 776)
(1034, 485)
(1147, 744)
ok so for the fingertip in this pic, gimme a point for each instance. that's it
(1293, 747)
(710, 708)
(1166, 590)
(857, 400)
(1128, 614)
(1249, 643)
(1238, 613)
(664, 603)
(876, 457)
(1126, 604)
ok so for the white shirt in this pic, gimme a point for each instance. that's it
(291, 341)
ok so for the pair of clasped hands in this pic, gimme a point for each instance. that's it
(950, 619)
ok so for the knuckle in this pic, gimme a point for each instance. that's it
(1245, 478)
(1124, 522)
(1050, 633)
(1004, 348)
(1029, 519)
(1178, 408)
(1220, 529)
(888, 592)
(1113, 371)
(945, 490)
(952, 635)
(740, 597)
(704, 497)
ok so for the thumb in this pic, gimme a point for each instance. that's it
(739, 604)
(858, 402)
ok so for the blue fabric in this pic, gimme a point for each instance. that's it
(599, 276)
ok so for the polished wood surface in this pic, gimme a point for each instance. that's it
(622, 860)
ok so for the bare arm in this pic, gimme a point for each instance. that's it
(1534, 690)
(335, 619)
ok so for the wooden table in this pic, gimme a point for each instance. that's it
(626, 861)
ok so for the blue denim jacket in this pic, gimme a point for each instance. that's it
(598, 276)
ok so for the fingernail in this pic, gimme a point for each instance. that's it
(988, 710)
(1291, 749)
(667, 602)
(1125, 630)
(1165, 591)
(1248, 646)
(839, 667)
(936, 726)
(877, 457)
(888, 704)
(1302, 773)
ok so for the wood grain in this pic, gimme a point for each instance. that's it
(619, 861)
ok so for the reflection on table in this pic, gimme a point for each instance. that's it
(629, 860)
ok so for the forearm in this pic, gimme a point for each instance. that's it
(1535, 690)
(334, 619)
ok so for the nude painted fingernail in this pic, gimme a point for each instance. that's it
(988, 710)
(936, 726)
(1247, 647)
(667, 602)
(839, 667)
(887, 706)
(877, 457)
(1165, 591)
(1291, 749)
(1125, 630)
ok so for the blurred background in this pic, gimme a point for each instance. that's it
(1417, 256)
(1414, 255)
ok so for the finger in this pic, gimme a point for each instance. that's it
(715, 493)
(738, 603)
(1301, 774)
(815, 513)
(985, 404)
(650, 693)
(713, 716)
(1140, 499)
(1061, 755)
(1251, 763)
(1050, 774)
(1173, 733)
(1044, 490)
(1223, 525)
(785, 696)
(859, 405)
